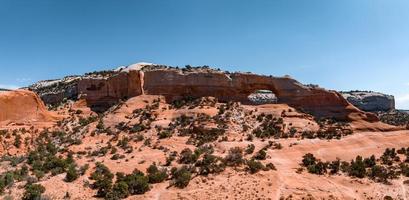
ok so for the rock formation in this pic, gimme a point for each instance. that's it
(174, 83)
(55, 91)
(370, 101)
(104, 89)
(21, 106)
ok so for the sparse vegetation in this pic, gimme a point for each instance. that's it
(387, 167)
(156, 175)
(181, 176)
(33, 192)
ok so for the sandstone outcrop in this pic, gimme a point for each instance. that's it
(22, 106)
(370, 101)
(56, 91)
(174, 83)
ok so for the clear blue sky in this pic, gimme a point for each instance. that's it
(342, 45)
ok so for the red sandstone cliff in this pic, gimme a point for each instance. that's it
(22, 106)
(174, 83)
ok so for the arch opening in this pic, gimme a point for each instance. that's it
(263, 97)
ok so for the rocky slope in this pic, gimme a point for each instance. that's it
(192, 133)
(370, 101)
(228, 151)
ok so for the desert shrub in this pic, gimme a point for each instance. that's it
(388, 156)
(117, 157)
(44, 160)
(155, 175)
(404, 168)
(14, 160)
(344, 166)
(261, 155)
(380, 170)
(137, 128)
(270, 166)
(120, 190)
(269, 127)
(179, 103)
(234, 157)
(308, 159)
(317, 168)
(187, 156)
(103, 179)
(17, 141)
(170, 158)
(33, 192)
(100, 152)
(183, 121)
(210, 164)
(357, 168)
(72, 174)
(121, 126)
(378, 173)
(401, 151)
(254, 166)
(200, 135)
(165, 134)
(334, 166)
(250, 149)
(84, 122)
(7, 180)
(314, 165)
(370, 162)
(292, 132)
(100, 125)
(123, 143)
(137, 182)
(181, 177)
(83, 169)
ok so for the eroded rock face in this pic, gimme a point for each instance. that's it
(55, 91)
(23, 105)
(175, 83)
(102, 93)
(370, 101)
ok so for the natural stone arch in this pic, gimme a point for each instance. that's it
(262, 97)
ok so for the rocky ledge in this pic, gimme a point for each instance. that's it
(370, 101)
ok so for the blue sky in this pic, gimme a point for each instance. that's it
(342, 45)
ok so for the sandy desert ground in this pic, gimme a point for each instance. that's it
(287, 181)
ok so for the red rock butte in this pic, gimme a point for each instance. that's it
(174, 83)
